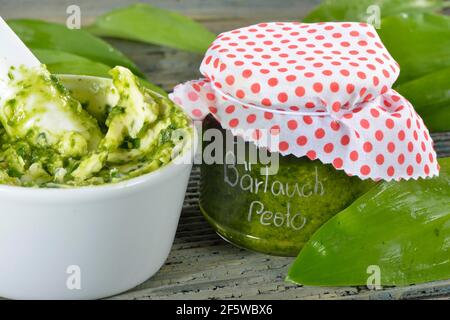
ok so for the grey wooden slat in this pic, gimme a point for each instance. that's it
(438, 289)
(207, 11)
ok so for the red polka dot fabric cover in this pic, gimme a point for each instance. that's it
(322, 89)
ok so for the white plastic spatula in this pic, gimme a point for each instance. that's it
(13, 52)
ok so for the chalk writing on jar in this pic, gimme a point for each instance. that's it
(248, 183)
(258, 211)
(276, 219)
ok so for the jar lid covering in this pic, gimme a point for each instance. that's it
(322, 89)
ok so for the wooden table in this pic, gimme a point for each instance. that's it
(201, 264)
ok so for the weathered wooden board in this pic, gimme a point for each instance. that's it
(201, 264)
(215, 14)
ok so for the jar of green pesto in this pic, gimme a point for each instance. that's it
(274, 213)
(313, 121)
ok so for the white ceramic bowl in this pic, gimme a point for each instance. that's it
(89, 242)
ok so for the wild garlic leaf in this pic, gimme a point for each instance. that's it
(45, 35)
(146, 23)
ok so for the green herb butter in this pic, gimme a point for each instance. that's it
(80, 131)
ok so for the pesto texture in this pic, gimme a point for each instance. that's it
(80, 131)
(274, 214)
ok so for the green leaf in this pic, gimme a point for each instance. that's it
(430, 96)
(420, 43)
(356, 10)
(59, 62)
(142, 22)
(44, 35)
(403, 228)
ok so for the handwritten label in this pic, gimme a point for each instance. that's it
(267, 183)
(276, 219)
(251, 184)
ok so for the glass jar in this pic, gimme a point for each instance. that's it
(274, 214)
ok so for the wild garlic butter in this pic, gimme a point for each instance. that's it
(79, 131)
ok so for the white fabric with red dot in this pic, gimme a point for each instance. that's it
(323, 89)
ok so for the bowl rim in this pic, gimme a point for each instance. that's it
(187, 154)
